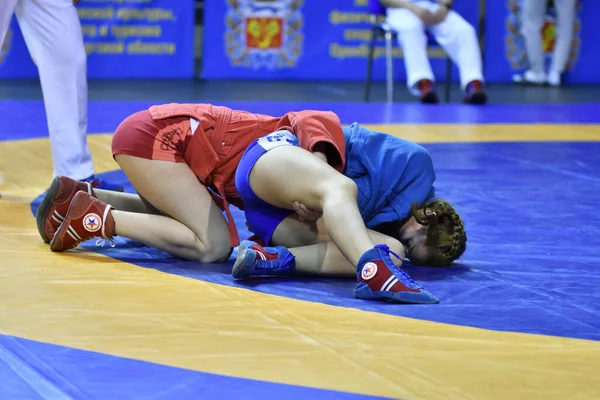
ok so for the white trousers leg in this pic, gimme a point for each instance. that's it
(52, 32)
(459, 40)
(412, 38)
(532, 20)
(7, 8)
(565, 14)
(456, 36)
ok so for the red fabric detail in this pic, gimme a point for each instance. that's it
(141, 136)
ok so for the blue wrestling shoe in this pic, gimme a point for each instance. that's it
(255, 260)
(101, 184)
(380, 279)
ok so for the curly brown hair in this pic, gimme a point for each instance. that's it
(446, 237)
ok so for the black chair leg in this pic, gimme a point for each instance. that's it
(448, 80)
(370, 64)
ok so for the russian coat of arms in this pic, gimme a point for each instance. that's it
(264, 33)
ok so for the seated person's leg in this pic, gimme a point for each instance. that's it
(413, 40)
(459, 40)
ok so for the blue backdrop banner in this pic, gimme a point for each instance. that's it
(299, 39)
(505, 48)
(123, 39)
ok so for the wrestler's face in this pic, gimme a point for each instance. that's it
(415, 246)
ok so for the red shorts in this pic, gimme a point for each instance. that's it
(138, 136)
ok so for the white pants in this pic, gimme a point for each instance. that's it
(52, 32)
(454, 35)
(533, 17)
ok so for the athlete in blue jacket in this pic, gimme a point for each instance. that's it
(395, 195)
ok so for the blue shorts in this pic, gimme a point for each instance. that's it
(262, 218)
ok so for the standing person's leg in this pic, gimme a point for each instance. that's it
(52, 32)
(565, 15)
(53, 35)
(532, 20)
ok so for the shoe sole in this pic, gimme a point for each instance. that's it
(42, 211)
(364, 292)
(479, 98)
(430, 98)
(244, 263)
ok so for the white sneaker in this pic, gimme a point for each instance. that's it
(553, 78)
(530, 77)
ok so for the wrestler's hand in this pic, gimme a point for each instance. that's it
(306, 214)
(75, 2)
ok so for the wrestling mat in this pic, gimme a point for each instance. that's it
(518, 319)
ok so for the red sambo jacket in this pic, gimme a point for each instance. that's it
(214, 150)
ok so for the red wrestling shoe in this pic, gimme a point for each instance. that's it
(378, 278)
(428, 93)
(51, 212)
(86, 218)
(474, 93)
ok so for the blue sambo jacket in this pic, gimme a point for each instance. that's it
(391, 174)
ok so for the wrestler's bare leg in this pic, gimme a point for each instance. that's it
(317, 185)
(315, 253)
(126, 201)
(288, 174)
(194, 229)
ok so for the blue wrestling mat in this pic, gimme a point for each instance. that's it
(105, 116)
(525, 179)
(531, 263)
